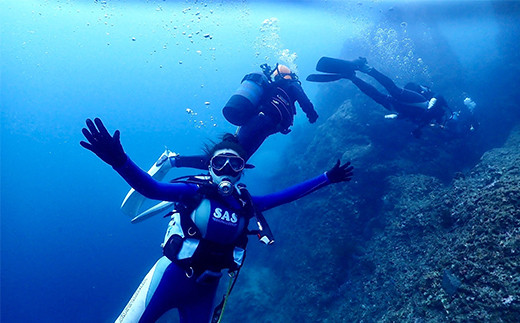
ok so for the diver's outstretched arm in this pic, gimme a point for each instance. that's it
(303, 100)
(109, 149)
(338, 173)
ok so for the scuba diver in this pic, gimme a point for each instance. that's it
(463, 121)
(208, 228)
(414, 102)
(276, 109)
(263, 105)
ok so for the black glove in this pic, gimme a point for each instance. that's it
(101, 143)
(341, 173)
(312, 116)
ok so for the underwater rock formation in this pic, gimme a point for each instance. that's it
(393, 245)
(427, 231)
(470, 228)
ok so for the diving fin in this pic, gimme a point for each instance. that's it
(158, 208)
(336, 65)
(139, 300)
(323, 78)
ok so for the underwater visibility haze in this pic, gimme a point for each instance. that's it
(428, 230)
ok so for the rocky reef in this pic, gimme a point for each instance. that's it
(429, 228)
(418, 236)
(450, 253)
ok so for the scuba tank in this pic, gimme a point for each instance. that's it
(243, 105)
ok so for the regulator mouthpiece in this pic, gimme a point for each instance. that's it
(225, 188)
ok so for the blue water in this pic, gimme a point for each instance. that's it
(148, 68)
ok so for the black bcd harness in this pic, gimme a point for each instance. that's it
(209, 254)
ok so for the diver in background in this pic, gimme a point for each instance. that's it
(276, 110)
(414, 102)
(263, 105)
(207, 232)
(463, 120)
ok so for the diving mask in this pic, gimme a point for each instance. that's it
(218, 162)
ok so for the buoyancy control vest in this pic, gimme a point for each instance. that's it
(279, 107)
(198, 249)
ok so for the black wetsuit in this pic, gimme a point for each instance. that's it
(276, 114)
(408, 104)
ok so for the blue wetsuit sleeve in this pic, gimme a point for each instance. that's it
(143, 183)
(290, 194)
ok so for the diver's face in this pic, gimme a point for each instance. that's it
(226, 164)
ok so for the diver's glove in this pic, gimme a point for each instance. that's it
(312, 116)
(341, 173)
(101, 143)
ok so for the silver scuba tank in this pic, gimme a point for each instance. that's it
(243, 104)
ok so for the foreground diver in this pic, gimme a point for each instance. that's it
(414, 102)
(263, 105)
(208, 232)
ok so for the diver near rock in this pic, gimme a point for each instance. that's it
(416, 103)
(263, 105)
(208, 229)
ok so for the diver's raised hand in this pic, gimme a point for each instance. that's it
(341, 173)
(101, 143)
